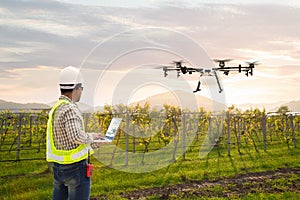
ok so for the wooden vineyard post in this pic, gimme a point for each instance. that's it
(264, 130)
(293, 130)
(228, 132)
(176, 138)
(183, 136)
(127, 137)
(86, 117)
(19, 137)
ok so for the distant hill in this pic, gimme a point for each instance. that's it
(183, 100)
(176, 98)
(187, 100)
(82, 106)
(7, 105)
(293, 105)
(272, 107)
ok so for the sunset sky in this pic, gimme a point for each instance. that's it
(119, 44)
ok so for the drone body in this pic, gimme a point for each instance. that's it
(209, 72)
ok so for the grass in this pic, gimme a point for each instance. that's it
(32, 180)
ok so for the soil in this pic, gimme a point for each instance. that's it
(278, 181)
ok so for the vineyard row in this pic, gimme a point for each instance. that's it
(22, 135)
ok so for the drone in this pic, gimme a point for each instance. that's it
(182, 69)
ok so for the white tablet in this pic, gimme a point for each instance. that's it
(111, 130)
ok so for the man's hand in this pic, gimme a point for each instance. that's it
(98, 136)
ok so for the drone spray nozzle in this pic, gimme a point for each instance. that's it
(226, 73)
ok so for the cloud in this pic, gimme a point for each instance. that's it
(38, 84)
(59, 33)
(215, 26)
(48, 32)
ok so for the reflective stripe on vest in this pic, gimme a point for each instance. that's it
(63, 156)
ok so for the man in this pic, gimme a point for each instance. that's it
(68, 146)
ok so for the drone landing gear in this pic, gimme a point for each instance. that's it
(217, 78)
(198, 87)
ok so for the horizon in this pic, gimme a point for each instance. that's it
(117, 45)
(269, 107)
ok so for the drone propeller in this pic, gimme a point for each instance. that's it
(222, 61)
(163, 67)
(178, 63)
(252, 64)
(250, 67)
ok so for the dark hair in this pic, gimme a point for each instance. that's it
(63, 91)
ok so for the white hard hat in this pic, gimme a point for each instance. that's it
(70, 77)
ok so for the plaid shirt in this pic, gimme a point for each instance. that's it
(68, 127)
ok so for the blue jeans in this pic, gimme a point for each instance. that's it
(70, 181)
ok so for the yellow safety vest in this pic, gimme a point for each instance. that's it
(63, 156)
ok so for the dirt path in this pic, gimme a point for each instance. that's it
(281, 180)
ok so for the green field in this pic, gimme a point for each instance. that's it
(33, 180)
(253, 156)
